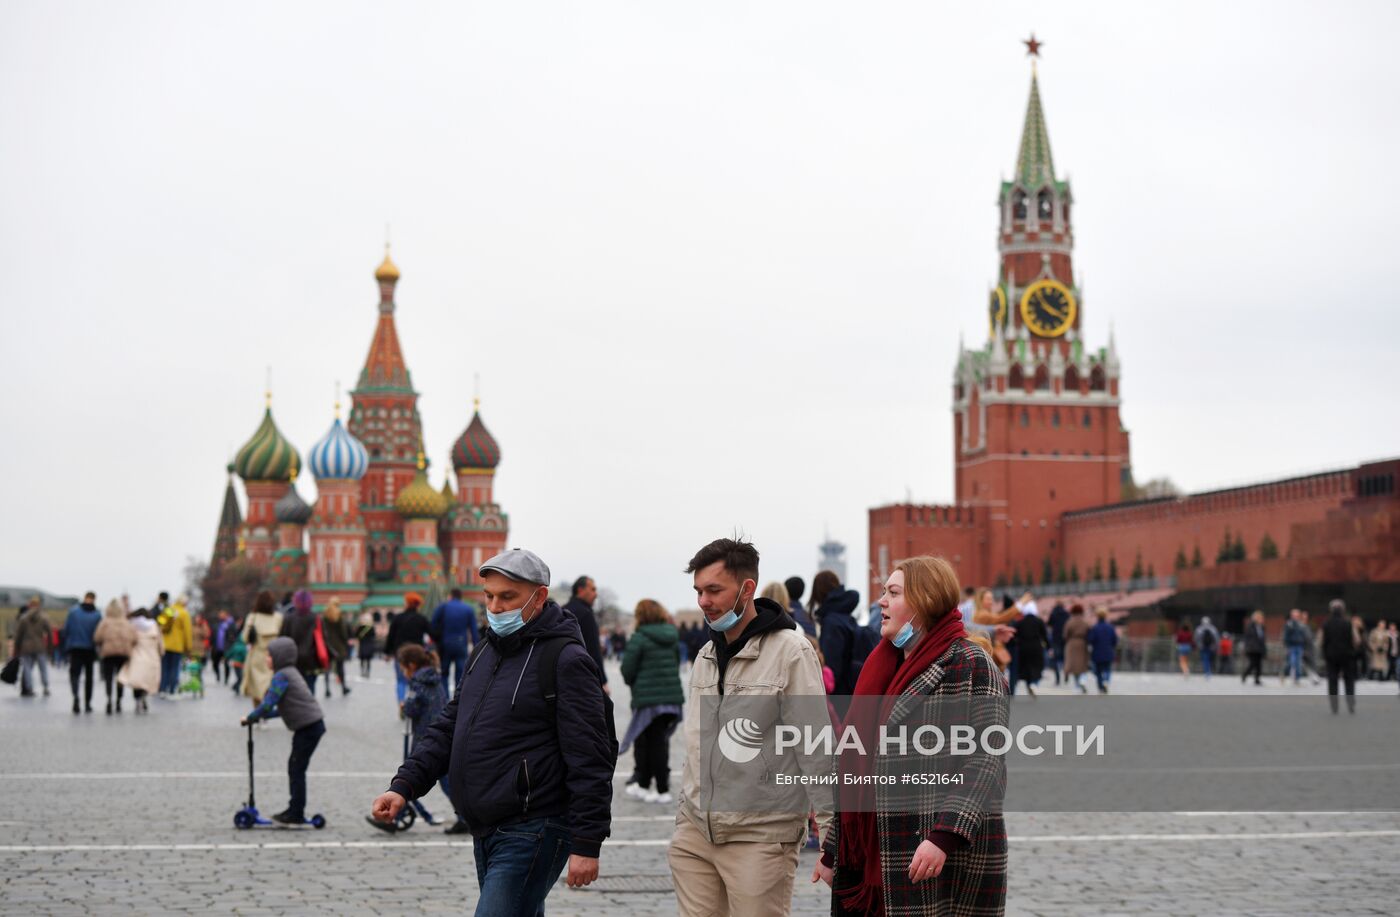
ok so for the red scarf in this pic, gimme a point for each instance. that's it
(885, 676)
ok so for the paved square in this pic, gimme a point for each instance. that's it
(120, 815)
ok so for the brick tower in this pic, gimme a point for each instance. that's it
(265, 463)
(476, 527)
(287, 569)
(1035, 414)
(384, 417)
(420, 506)
(338, 535)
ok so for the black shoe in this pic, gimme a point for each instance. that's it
(109, 708)
(75, 706)
(388, 826)
(287, 818)
(88, 708)
(458, 827)
(344, 690)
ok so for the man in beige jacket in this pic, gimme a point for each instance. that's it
(742, 823)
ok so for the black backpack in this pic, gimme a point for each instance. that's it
(1207, 640)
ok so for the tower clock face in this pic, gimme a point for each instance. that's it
(1048, 308)
(997, 308)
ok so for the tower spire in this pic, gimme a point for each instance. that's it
(1034, 164)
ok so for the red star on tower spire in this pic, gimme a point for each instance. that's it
(1032, 46)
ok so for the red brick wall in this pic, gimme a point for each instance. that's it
(1159, 528)
(957, 533)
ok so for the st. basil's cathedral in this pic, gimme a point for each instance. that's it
(378, 528)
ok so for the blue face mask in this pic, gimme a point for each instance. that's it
(505, 623)
(727, 620)
(906, 633)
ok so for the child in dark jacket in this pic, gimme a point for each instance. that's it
(423, 703)
(289, 697)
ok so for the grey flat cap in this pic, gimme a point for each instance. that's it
(520, 565)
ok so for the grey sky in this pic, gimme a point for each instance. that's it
(710, 260)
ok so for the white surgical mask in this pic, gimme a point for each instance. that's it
(505, 623)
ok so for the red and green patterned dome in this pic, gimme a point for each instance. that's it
(267, 456)
(476, 449)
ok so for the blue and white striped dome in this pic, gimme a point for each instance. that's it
(338, 455)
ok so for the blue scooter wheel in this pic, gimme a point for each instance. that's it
(242, 819)
(318, 822)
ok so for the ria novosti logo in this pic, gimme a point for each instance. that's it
(740, 740)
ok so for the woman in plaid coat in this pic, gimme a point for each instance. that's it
(936, 845)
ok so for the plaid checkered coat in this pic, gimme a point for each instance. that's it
(973, 880)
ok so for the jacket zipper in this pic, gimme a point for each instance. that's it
(526, 765)
(472, 722)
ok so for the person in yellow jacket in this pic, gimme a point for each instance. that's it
(178, 633)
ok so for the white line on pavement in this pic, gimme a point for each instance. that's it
(661, 842)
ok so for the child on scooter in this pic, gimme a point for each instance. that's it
(289, 697)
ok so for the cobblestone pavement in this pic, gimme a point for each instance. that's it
(120, 815)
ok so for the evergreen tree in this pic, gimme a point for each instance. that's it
(1226, 553)
(1001, 581)
(1074, 572)
(1015, 578)
(1267, 549)
(1137, 565)
(1062, 575)
(1181, 558)
(1196, 559)
(1237, 553)
(1098, 570)
(1047, 571)
(1151, 572)
(1112, 568)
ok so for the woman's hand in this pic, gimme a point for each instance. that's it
(928, 862)
(822, 872)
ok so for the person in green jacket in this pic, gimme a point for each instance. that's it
(651, 667)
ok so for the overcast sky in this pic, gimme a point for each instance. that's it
(711, 260)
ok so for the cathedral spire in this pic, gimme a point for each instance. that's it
(385, 367)
(1034, 164)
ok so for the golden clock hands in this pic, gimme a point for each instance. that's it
(1040, 298)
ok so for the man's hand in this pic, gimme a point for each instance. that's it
(387, 806)
(822, 872)
(1005, 632)
(607, 690)
(582, 870)
(928, 862)
(243, 721)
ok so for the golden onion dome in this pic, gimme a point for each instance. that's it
(420, 500)
(387, 270)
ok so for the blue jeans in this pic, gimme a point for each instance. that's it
(517, 865)
(170, 672)
(1103, 671)
(1207, 659)
(1295, 662)
(304, 742)
(28, 661)
(455, 660)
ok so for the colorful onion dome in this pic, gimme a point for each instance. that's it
(338, 456)
(419, 500)
(387, 270)
(267, 456)
(292, 508)
(476, 449)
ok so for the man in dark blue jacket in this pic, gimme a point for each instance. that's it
(530, 774)
(78, 644)
(580, 605)
(454, 629)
